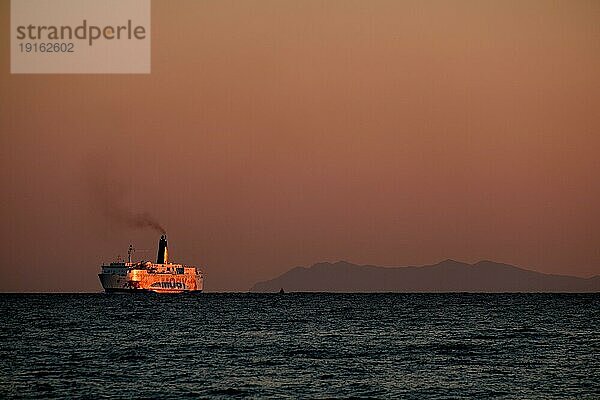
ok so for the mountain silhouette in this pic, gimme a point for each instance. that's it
(446, 276)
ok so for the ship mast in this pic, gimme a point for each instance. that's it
(130, 253)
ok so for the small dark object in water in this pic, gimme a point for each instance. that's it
(281, 291)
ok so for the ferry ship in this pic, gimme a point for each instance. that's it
(161, 277)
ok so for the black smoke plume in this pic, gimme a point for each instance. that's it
(108, 196)
(133, 220)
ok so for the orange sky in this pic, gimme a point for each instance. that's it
(273, 134)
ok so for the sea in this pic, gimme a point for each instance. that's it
(300, 345)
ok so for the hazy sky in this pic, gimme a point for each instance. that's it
(273, 134)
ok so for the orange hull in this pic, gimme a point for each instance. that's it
(159, 278)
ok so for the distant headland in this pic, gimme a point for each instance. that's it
(446, 276)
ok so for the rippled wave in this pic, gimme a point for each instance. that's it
(300, 345)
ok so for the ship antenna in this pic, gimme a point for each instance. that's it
(130, 252)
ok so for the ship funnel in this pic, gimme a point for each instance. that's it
(163, 253)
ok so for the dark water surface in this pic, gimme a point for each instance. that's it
(300, 345)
